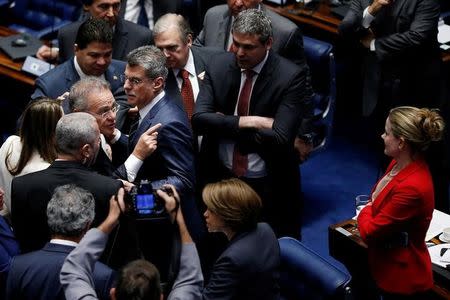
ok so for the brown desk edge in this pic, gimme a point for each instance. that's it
(10, 68)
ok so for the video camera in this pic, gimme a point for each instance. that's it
(144, 203)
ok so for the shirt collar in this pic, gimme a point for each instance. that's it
(144, 111)
(190, 66)
(63, 242)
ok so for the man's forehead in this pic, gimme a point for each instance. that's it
(98, 2)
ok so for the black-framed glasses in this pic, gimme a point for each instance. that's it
(114, 109)
(132, 80)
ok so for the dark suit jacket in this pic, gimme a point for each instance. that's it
(287, 37)
(247, 270)
(35, 275)
(31, 193)
(160, 7)
(201, 57)
(59, 80)
(279, 92)
(9, 247)
(406, 53)
(405, 204)
(127, 37)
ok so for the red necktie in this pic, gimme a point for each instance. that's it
(187, 93)
(240, 161)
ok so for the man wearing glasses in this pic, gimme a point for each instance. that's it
(93, 49)
(127, 35)
(92, 95)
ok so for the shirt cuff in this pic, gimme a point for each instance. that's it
(117, 135)
(367, 18)
(372, 45)
(132, 165)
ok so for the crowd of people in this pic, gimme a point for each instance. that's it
(211, 122)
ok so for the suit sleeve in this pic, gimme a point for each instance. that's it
(351, 27)
(423, 29)
(76, 272)
(41, 89)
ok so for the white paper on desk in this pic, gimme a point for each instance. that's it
(435, 254)
(443, 34)
(439, 221)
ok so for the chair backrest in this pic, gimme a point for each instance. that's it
(320, 59)
(307, 275)
(43, 17)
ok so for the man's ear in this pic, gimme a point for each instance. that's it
(269, 43)
(159, 83)
(189, 40)
(85, 153)
(112, 293)
(75, 48)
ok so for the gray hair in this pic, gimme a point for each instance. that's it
(168, 21)
(80, 91)
(70, 210)
(253, 22)
(151, 59)
(75, 130)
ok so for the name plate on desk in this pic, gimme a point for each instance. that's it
(36, 66)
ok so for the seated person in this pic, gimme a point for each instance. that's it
(35, 275)
(93, 51)
(34, 149)
(127, 35)
(8, 248)
(244, 270)
(140, 276)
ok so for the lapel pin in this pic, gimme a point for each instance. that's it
(201, 76)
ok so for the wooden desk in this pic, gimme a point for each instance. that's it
(11, 68)
(346, 246)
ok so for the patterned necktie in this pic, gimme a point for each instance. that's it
(240, 161)
(187, 93)
(142, 18)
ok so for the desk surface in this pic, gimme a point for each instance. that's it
(320, 17)
(11, 68)
(344, 239)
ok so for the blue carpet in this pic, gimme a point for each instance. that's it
(330, 181)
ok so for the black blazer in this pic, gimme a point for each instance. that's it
(31, 193)
(127, 37)
(248, 268)
(35, 275)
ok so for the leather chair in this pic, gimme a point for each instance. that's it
(307, 275)
(320, 59)
(42, 18)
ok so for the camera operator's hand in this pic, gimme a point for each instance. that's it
(127, 185)
(116, 207)
(147, 143)
(172, 205)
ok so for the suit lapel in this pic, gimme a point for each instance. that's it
(234, 73)
(264, 78)
(112, 77)
(397, 8)
(120, 34)
(223, 30)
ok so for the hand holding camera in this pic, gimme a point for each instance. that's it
(171, 199)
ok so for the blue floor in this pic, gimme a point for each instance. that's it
(330, 181)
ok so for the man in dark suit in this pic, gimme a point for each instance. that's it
(401, 53)
(216, 32)
(251, 138)
(127, 35)
(173, 36)
(93, 50)
(78, 140)
(154, 9)
(173, 160)
(93, 95)
(35, 275)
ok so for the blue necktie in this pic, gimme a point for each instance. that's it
(142, 19)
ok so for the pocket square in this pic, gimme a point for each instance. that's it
(201, 76)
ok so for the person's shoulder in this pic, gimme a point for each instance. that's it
(134, 28)
(58, 71)
(69, 28)
(14, 141)
(279, 22)
(118, 64)
(216, 10)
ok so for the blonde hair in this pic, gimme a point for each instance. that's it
(418, 126)
(234, 201)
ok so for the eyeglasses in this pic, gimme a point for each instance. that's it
(113, 110)
(132, 80)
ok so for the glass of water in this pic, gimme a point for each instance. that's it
(360, 202)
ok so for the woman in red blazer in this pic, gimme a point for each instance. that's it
(395, 222)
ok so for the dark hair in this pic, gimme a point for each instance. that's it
(94, 30)
(37, 133)
(253, 22)
(138, 280)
